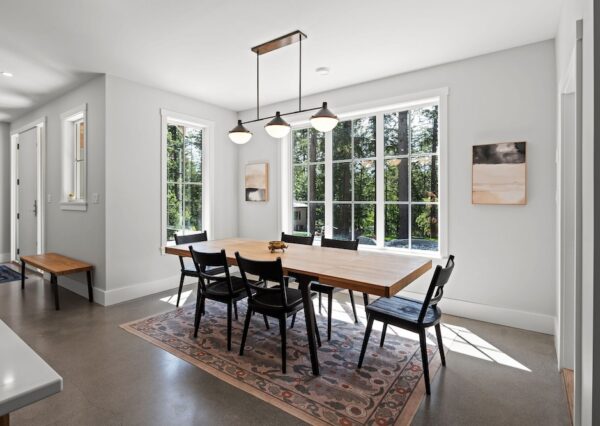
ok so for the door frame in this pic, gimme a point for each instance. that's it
(40, 126)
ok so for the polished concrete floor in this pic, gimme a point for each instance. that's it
(495, 375)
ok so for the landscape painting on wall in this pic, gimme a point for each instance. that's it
(257, 182)
(500, 173)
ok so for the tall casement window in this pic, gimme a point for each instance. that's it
(375, 177)
(184, 180)
(184, 177)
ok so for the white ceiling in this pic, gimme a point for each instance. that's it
(201, 48)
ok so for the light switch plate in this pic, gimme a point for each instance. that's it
(95, 198)
(49, 198)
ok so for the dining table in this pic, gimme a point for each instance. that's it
(369, 271)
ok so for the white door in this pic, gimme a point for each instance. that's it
(27, 193)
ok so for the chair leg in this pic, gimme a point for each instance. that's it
(282, 331)
(353, 306)
(317, 334)
(366, 299)
(423, 341)
(293, 321)
(366, 340)
(438, 332)
(320, 303)
(245, 332)
(235, 310)
(266, 322)
(229, 309)
(199, 310)
(180, 288)
(329, 309)
(382, 341)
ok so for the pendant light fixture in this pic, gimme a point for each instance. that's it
(277, 127)
(239, 134)
(323, 121)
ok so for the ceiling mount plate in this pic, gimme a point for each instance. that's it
(279, 42)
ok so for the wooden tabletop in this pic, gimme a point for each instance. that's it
(371, 272)
(24, 377)
(56, 264)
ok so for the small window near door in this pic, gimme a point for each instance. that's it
(74, 158)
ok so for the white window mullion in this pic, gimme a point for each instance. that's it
(379, 181)
(329, 185)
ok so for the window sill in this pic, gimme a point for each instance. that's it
(403, 252)
(74, 205)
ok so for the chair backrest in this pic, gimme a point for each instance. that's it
(187, 239)
(297, 239)
(266, 270)
(203, 260)
(340, 244)
(436, 287)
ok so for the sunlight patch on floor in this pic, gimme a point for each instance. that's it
(172, 299)
(470, 344)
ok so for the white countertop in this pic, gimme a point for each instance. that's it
(24, 377)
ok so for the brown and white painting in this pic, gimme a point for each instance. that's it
(500, 173)
(257, 182)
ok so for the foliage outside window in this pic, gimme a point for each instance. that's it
(184, 180)
(308, 159)
(405, 157)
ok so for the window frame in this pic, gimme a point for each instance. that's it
(207, 127)
(378, 109)
(70, 181)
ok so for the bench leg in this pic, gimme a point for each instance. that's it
(90, 289)
(22, 275)
(54, 284)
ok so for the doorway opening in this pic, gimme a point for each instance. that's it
(27, 190)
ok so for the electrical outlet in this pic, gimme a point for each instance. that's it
(95, 198)
(49, 198)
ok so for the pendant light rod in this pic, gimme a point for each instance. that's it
(300, 77)
(257, 85)
(282, 114)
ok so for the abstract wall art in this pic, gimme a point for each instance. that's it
(500, 173)
(256, 182)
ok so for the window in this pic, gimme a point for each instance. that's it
(308, 159)
(375, 177)
(74, 158)
(184, 183)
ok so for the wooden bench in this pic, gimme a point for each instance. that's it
(57, 264)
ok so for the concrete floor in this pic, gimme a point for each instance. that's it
(494, 376)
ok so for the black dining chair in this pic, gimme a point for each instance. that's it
(412, 315)
(187, 266)
(226, 288)
(279, 301)
(298, 239)
(329, 290)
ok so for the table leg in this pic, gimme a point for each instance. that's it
(90, 289)
(5, 420)
(22, 275)
(54, 284)
(309, 315)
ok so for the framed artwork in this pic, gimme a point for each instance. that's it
(256, 182)
(500, 173)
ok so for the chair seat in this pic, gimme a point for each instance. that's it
(189, 268)
(221, 288)
(272, 300)
(403, 310)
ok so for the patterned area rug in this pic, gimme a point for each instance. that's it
(7, 274)
(387, 390)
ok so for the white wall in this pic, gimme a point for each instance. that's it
(504, 254)
(75, 233)
(5, 191)
(135, 265)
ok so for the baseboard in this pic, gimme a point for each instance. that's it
(80, 289)
(135, 291)
(494, 314)
(4, 257)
